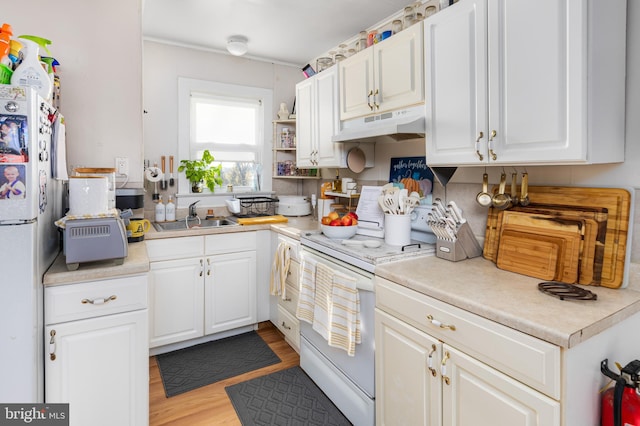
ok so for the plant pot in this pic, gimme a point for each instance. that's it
(197, 187)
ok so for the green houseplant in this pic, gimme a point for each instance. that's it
(201, 172)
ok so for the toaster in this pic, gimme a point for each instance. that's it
(94, 239)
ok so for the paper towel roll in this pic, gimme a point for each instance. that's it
(88, 195)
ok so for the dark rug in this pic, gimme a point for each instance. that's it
(288, 397)
(190, 368)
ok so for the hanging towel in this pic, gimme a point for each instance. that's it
(304, 311)
(322, 300)
(344, 330)
(279, 270)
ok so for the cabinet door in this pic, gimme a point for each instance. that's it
(407, 391)
(475, 394)
(101, 368)
(230, 291)
(304, 124)
(456, 84)
(398, 72)
(175, 301)
(356, 85)
(327, 120)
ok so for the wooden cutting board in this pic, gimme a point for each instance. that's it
(592, 249)
(529, 254)
(570, 232)
(261, 220)
(616, 202)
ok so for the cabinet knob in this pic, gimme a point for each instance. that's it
(375, 102)
(52, 345)
(493, 155)
(430, 360)
(285, 326)
(100, 301)
(437, 323)
(369, 95)
(443, 368)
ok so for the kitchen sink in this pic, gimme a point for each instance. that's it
(179, 225)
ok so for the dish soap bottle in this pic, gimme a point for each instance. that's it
(160, 210)
(170, 210)
(30, 71)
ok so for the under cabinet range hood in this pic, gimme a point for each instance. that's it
(402, 124)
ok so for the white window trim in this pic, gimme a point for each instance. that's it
(188, 85)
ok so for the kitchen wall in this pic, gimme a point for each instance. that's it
(99, 47)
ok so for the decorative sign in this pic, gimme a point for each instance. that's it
(413, 173)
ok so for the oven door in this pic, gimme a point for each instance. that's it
(359, 369)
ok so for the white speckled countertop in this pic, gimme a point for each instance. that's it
(514, 300)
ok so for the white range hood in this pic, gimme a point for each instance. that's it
(408, 123)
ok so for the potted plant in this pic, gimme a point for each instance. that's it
(202, 172)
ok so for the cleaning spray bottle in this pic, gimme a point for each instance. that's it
(30, 71)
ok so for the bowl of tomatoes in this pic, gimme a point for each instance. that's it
(339, 227)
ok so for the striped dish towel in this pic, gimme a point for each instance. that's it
(344, 331)
(322, 300)
(279, 270)
(304, 310)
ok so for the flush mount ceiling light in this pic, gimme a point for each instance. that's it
(237, 45)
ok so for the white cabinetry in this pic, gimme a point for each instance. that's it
(285, 316)
(200, 286)
(96, 352)
(318, 120)
(384, 77)
(439, 365)
(284, 152)
(527, 82)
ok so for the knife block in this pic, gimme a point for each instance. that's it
(465, 246)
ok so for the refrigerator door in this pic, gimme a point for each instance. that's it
(21, 316)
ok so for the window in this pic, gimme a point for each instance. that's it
(231, 122)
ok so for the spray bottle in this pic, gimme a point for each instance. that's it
(30, 71)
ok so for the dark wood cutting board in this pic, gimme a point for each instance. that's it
(616, 202)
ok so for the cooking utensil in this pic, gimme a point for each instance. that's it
(163, 182)
(513, 198)
(391, 202)
(484, 198)
(501, 200)
(171, 181)
(156, 195)
(524, 190)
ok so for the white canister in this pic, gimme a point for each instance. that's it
(88, 195)
(397, 229)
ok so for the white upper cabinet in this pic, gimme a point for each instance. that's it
(525, 82)
(317, 121)
(384, 77)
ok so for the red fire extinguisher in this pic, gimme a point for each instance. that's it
(621, 404)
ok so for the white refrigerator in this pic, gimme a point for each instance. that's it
(30, 202)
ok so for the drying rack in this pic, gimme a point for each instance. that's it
(257, 206)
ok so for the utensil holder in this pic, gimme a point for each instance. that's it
(465, 246)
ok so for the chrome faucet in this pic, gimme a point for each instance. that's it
(192, 210)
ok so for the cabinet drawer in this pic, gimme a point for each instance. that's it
(230, 243)
(290, 327)
(525, 358)
(294, 247)
(73, 302)
(175, 248)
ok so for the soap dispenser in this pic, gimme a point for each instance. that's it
(170, 210)
(160, 210)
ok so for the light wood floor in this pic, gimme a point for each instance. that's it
(209, 405)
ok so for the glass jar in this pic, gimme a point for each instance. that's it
(409, 16)
(323, 63)
(396, 26)
(362, 41)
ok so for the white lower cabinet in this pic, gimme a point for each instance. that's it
(200, 286)
(96, 352)
(284, 311)
(439, 365)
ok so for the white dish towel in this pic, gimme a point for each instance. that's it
(304, 310)
(279, 270)
(322, 300)
(344, 330)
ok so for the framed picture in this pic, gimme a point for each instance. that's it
(413, 173)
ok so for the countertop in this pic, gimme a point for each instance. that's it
(478, 286)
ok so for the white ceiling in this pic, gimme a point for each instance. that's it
(284, 31)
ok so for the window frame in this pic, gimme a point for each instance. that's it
(187, 86)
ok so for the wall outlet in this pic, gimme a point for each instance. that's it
(122, 165)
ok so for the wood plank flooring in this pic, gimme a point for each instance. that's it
(210, 405)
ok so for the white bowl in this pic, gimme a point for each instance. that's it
(339, 232)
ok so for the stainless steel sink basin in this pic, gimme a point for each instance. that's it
(181, 225)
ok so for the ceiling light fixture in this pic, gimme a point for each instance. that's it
(237, 45)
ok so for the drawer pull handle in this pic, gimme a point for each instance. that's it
(430, 361)
(437, 323)
(480, 156)
(52, 345)
(443, 368)
(100, 301)
(286, 326)
(286, 299)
